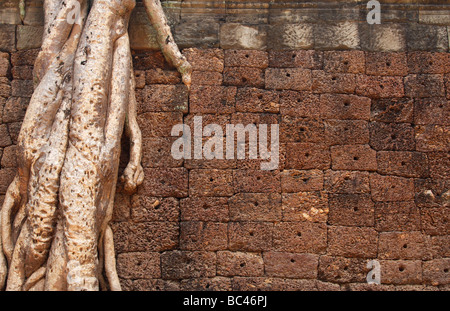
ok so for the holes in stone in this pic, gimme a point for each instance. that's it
(345, 129)
(294, 55)
(302, 129)
(346, 103)
(207, 285)
(299, 234)
(346, 268)
(307, 154)
(205, 206)
(333, 78)
(446, 270)
(401, 268)
(388, 64)
(159, 150)
(163, 182)
(355, 158)
(242, 265)
(211, 179)
(346, 63)
(244, 80)
(251, 233)
(292, 260)
(247, 56)
(405, 245)
(355, 209)
(139, 263)
(431, 63)
(288, 74)
(256, 204)
(260, 96)
(393, 136)
(258, 178)
(305, 180)
(381, 86)
(346, 178)
(403, 163)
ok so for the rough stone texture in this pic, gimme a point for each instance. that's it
(379, 93)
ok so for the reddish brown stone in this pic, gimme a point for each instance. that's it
(139, 77)
(307, 59)
(158, 98)
(243, 76)
(291, 265)
(159, 76)
(206, 284)
(392, 110)
(250, 236)
(353, 157)
(391, 188)
(256, 181)
(440, 246)
(435, 221)
(24, 57)
(428, 62)
(352, 242)
(300, 104)
(171, 182)
(403, 163)
(300, 237)
(239, 264)
(257, 100)
(304, 130)
(153, 236)
(156, 152)
(391, 136)
(211, 182)
(6, 177)
(205, 59)
(424, 85)
(206, 236)
(246, 58)
(21, 88)
(344, 107)
(344, 61)
(15, 109)
(255, 207)
(342, 270)
(138, 265)
(301, 180)
(9, 157)
(397, 216)
(386, 64)
(305, 206)
(379, 86)
(206, 78)
(439, 164)
(436, 272)
(22, 72)
(324, 82)
(5, 87)
(5, 65)
(346, 182)
(154, 285)
(348, 209)
(212, 99)
(401, 272)
(432, 111)
(402, 245)
(183, 264)
(346, 132)
(307, 156)
(204, 209)
(145, 208)
(431, 192)
(296, 79)
(432, 138)
(150, 60)
(164, 120)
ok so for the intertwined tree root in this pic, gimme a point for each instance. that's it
(54, 220)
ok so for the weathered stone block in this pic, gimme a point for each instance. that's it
(424, 85)
(257, 100)
(391, 188)
(146, 208)
(307, 59)
(138, 265)
(347, 132)
(212, 99)
(301, 180)
(291, 265)
(379, 86)
(348, 209)
(352, 242)
(346, 181)
(183, 264)
(391, 136)
(205, 236)
(300, 237)
(246, 58)
(243, 76)
(402, 245)
(344, 61)
(392, 110)
(305, 206)
(255, 207)
(397, 216)
(211, 183)
(256, 181)
(345, 107)
(386, 64)
(205, 209)
(300, 104)
(353, 157)
(325, 82)
(431, 138)
(434, 110)
(239, 264)
(305, 156)
(170, 182)
(250, 236)
(297, 79)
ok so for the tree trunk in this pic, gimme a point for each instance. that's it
(54, 221)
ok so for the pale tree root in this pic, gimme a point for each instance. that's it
(54, 221)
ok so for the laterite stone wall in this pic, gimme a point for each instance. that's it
(364, 119)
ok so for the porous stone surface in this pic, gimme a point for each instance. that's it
(364, 149)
